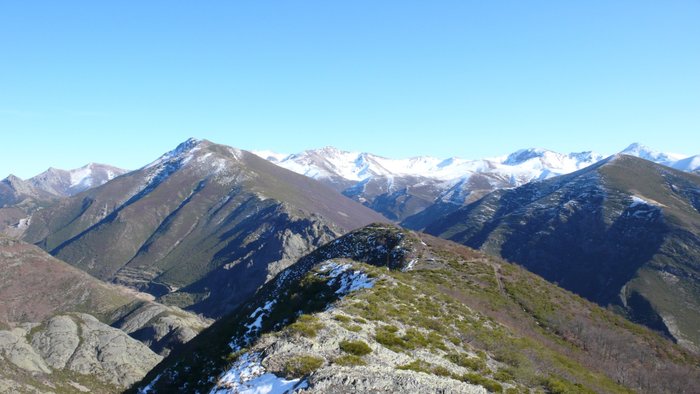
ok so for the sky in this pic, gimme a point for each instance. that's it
(123, 82)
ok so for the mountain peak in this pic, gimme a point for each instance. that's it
(523, 155)
(644, 152)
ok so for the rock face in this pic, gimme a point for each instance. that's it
(76, 343)
(385, 310)
(202, 227)
(623, 232)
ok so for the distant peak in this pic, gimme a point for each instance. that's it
(523, 155)
(637, 147)
(188, 144)
(13, 178)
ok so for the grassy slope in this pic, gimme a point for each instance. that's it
(507, 328)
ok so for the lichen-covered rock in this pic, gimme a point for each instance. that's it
(76, 344)
(15, 349)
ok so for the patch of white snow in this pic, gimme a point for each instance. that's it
(248, 376)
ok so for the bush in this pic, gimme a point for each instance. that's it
(463, 360)
(306, 325)
(357, 348)
(488, 384)
(389, 339)
(417, 366)
(559, 385)
(349, 360)
(299, 366)
(342, 318)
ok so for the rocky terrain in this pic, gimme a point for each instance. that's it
(71, 353)
(386, 309)
(202, 227)
(623, 233)
(63, 330)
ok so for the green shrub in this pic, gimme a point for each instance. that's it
(306, 325)
(504, 375)
(349, 360)
(417, 366)
(488, 384)
(342, 318)
(441, 371)
(299, 366)
(389, 339)
(463, 360)
(353, 327)
(559, 385)
(357, 348)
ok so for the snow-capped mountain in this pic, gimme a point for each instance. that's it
(526, 164)
(70, 182)
(401, 187)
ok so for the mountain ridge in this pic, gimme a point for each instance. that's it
(622, 232)
(201, 219)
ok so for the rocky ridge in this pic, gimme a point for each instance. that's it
(383, 308)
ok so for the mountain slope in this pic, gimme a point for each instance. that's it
(622, 232)
(386, 310)
(202, 227)
(60, 327)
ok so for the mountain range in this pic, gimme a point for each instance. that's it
(108, 275)
(399, 188)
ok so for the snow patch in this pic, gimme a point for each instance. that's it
(248, 376)
(410, 265)
(639, 201)
(149, 387)
(253, 328)
(350, 280)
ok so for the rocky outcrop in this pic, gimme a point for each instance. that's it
(80, 344)
(161, 327)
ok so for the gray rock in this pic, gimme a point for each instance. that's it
(58, 341)
(15, 349)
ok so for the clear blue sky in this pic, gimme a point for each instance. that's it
(125, 82)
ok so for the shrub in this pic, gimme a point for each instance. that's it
(559, 385)
(488, 384)
(357, 348)
(441, 371)
(342, 318)
(299, 366)
(349, 360)
(306, 325)
(463, 360)
(417, 366)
